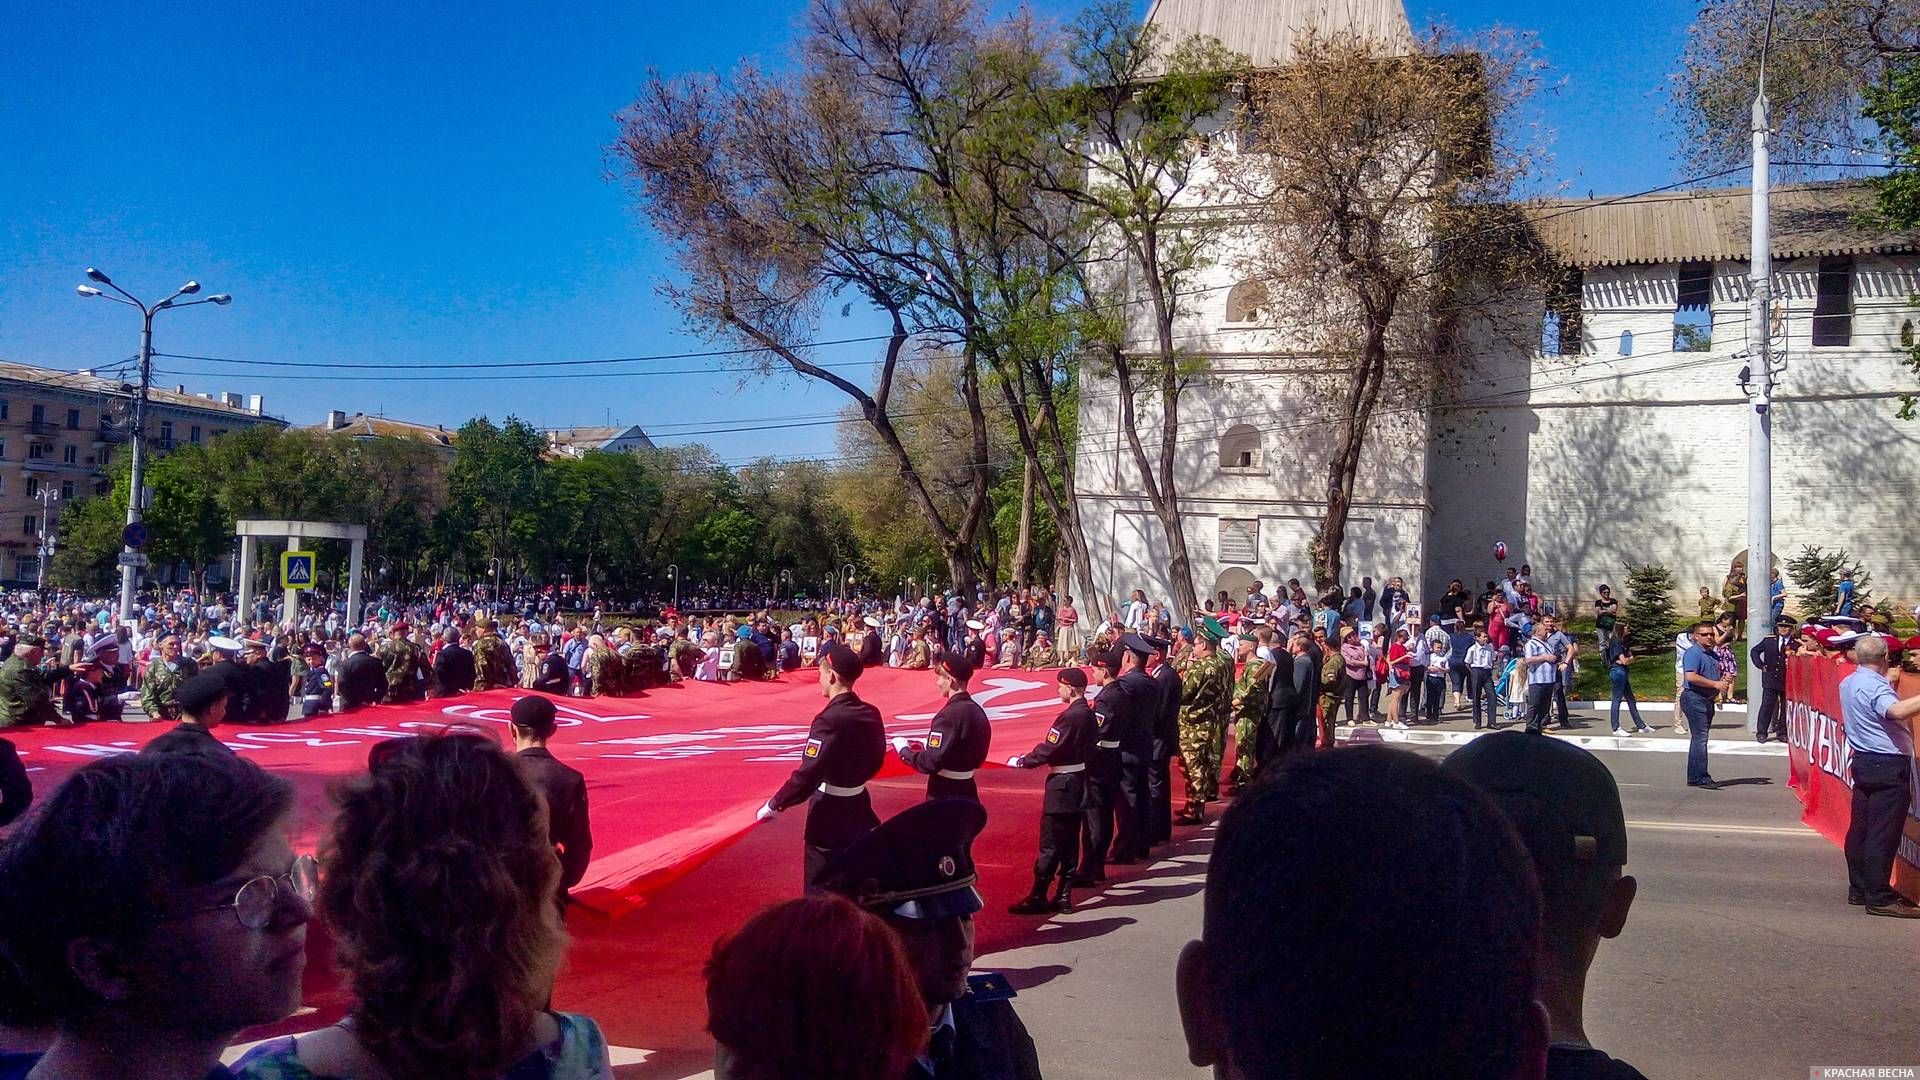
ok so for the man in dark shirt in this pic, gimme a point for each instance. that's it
(845, 746)
(453, 667)
(551, 675)
(203, 702)
(1565, 807)
(959, 739)
(561, 785)
(1064, 751)
(1136, 707)
(1770, 656)
(1166, 743)
(363, 681)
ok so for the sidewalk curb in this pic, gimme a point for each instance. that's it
(1655, 706)
(1369, 735)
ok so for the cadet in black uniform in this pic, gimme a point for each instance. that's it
(1064, 752)
(916, 872)
(1136, 712)
(1166, 743)
(958, 741)
(1103, 769)
(844, 750)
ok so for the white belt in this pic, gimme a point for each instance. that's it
(843, 792)
(1062, 770)
(1108, 744)
(955, 774)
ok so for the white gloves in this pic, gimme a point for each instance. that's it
(765, 813)
(900, 744)
(1013, 763)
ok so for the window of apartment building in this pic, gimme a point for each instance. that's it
(193, 434)
(1561, 332)
(70, 455)
(36, 451)
(166, 431)
(219, 431)
(30, 526)
(73, 419)
(3, 408)
(1833, 303)
(1240, 540)
(66, 489)
(39, 414)
(3, 448)
(1693, 311)
(33, 487)
(25, 566)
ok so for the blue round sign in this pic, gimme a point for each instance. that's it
(134, 535)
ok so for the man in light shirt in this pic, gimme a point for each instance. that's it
(1880, 734)
(1480, 676)
(1543, 675)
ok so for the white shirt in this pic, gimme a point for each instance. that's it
(1136, 614)
(1480, 656)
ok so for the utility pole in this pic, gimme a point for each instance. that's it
(1757, 383)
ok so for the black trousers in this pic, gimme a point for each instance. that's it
(1410, 707)
(1480, 690)
(1097, 821)
(1159, 796)
(1133, 832)
(813, 865)
(1539, 704)
(1879, 813)
(1353, 698)
(1560, 700)
(1059, 847)
(1772, 721)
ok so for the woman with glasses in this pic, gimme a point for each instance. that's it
(439, 895)
(150, 909)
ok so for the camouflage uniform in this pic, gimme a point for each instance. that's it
(1249, 712)
(1041, 656)
(1206, 695)
(605, 671)
(492, 667)
(158, 685)
(24, 697)
(404, 664)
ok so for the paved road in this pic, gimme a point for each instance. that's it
(1741, 958)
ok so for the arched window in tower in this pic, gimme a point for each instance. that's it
(1240, 449)
(1247, 303)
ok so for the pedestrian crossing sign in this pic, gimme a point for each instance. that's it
(296, 570)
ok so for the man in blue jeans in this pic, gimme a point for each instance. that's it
(1700, 673)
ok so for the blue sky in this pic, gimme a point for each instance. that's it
(422, 184)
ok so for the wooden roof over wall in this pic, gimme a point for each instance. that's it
(1713, 224)
(1266, 30)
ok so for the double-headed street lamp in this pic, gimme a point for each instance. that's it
(673, 571)
(846, 592)
(129, 573)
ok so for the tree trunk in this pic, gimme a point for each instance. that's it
(1023, 548)
(1165, 506)
(1363, 393)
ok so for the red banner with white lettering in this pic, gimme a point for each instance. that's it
(1819, 759)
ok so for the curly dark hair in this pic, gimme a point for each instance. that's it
(438, 883)
(105, 855)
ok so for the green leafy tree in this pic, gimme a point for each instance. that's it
(1894, 106)
(89, 540)
(1817, 572)
(498, 476)
(1651, 619)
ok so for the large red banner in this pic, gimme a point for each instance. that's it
(673, 776)
(1819, 760)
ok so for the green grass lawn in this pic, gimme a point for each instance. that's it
(1651, 674)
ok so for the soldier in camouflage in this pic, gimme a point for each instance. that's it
(492, 666)
(1206, 695)
(406, 665)
(1249, 710)
(164, 674)
(24, 694)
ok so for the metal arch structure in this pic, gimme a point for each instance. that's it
(249, 531)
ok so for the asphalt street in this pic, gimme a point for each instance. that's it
(1741, 957)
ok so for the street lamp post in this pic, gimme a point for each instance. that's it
(846, 591)
(130, 574)
(673, 571)
(48, 496)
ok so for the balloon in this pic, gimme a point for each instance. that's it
(1500, 551)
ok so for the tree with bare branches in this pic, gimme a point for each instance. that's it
(1378, 183)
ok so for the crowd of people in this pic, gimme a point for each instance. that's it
(151, 906)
